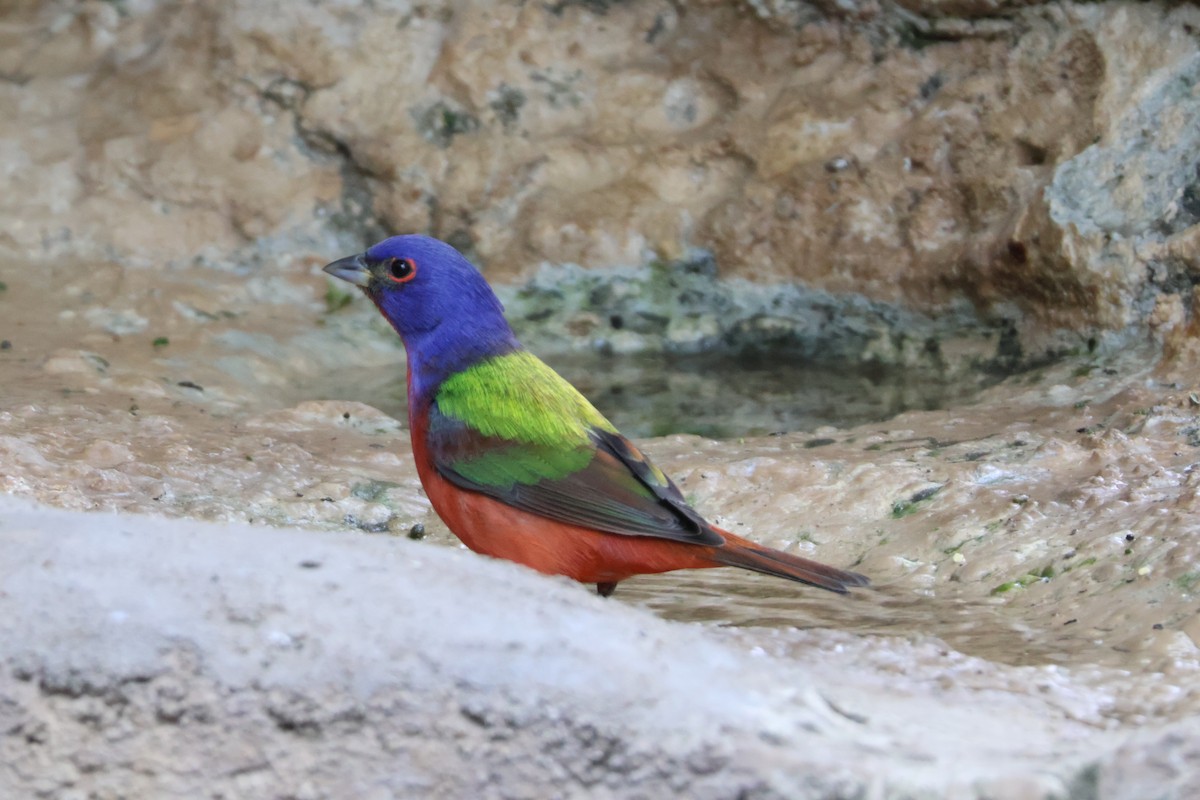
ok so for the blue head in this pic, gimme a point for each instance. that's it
(441, 306)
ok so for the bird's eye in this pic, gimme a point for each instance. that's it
(401, 270)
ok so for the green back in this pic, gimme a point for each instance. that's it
(512, 428)
(518, 399)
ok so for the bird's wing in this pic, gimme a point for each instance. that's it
(512, 429)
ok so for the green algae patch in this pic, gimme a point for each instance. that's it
(902, 508)
(1188, 581)
(1044, 574)
(337, 298)
(373, 491)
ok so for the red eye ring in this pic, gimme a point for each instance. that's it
(401, 270)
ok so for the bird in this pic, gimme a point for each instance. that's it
(515, 460)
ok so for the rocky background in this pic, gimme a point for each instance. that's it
(1025, 168)
(954, 188)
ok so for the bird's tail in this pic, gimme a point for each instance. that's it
(738, 552)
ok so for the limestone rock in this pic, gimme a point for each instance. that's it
(1031, 159)
(150, 657)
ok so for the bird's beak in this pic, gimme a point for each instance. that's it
(351, 268)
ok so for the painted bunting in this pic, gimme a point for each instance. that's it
(514, 459)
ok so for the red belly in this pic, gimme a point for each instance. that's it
(490, 527)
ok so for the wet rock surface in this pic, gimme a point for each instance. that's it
(1030, 633)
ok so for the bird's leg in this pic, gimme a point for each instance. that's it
(605, 589)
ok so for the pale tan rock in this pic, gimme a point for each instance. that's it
(798, 142)
(106, 455)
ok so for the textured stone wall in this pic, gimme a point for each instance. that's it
(1038, 161)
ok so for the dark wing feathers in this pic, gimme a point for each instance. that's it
(653, 479)
(615, 489)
